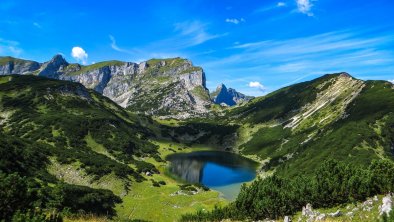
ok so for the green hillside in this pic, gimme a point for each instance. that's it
(47, 123)
(71, 150)
(81, 154)
(294, 129)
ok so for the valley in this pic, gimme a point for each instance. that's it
(83, 153)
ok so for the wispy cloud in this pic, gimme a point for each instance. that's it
(192, 33)
(305, 7)
(234, 20)
(294, 59)
(37, 25)
(338, 42)
(185, 35)
(115, 47)
(9, 47)
(270, 7)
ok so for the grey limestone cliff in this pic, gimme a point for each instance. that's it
(163, 87)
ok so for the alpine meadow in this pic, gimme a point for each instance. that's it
(196, 111)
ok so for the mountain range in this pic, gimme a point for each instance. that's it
(93, 130)
(160, 87)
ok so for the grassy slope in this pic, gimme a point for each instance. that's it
(364, 135)
(6, 59)
(57, 113)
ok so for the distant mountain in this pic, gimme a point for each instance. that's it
(163, 87)
(228, 96)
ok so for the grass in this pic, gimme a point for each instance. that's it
(156, 203)
(201, 92)
(98, 65)
(147, 202)
(5, 79)
(96, 147)
(6, 59)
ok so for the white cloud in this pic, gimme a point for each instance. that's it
(79, 54)
(234, 20)
(257, 85)
(9, 47)
(37, 25)
(305, 7)
(281, 4)
(392, 81)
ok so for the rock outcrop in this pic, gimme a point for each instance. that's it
(228, 96)
(387, 205)
(163, 87)
(10, 65)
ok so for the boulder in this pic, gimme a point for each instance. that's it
(321, 217)
(337, 213)
(387, 205)
(307, 210)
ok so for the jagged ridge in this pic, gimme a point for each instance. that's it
(166, 87)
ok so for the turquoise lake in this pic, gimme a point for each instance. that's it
(221, 171)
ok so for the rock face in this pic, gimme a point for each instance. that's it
(10, 65)
(163, 87)
(228, 96)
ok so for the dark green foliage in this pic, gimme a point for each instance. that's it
(187, 187)
(143, 167)
(155, 183)
(96, 201)
(22, 156)
(333, 183)
(204, 131)
(13, 193)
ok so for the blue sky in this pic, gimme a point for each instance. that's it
(252, 46)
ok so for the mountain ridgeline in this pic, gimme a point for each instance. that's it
(228, 96)
(63, 141)
(165, 87)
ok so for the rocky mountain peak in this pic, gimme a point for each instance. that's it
(54, 67)
(228, 96)
(345, 74)
(221, 87)
(58, 58)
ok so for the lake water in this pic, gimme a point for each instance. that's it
(221, 171)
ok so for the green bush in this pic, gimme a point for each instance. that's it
(333, 183)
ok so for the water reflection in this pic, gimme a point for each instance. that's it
(214, 169)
